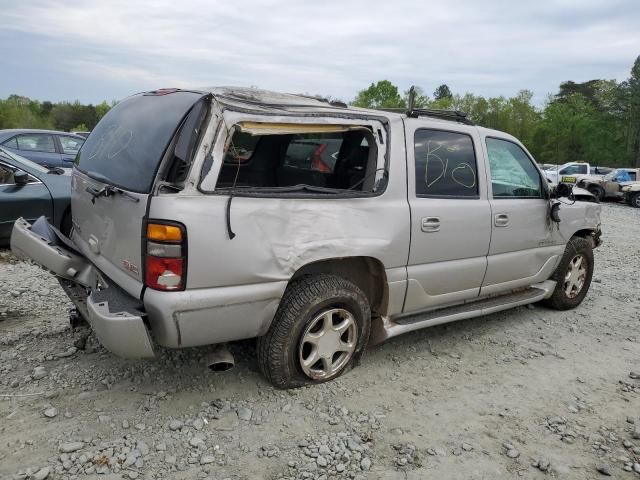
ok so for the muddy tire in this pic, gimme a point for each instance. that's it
(319, 332)
(634, 200)
(597, 191)
(573, 275)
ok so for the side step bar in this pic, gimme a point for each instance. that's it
(385, 327)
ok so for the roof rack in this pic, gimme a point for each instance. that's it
(455, 115)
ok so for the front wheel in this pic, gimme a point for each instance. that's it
(320, 330)
(573, 275)
(634, 200)
(597, 191)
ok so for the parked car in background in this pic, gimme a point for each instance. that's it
(610, 186)
(82, 134)
(423, 218)
(30, 190)
(46, 147)
(631, 194)
(571, 172)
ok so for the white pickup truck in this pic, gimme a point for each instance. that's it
(573, 171)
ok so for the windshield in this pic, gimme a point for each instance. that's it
(23, 161)
(126, 147)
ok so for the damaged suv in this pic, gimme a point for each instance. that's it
(202, 217)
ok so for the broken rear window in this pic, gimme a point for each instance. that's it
(341, 158)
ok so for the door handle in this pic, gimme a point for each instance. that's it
(430, 224)
(501, 220)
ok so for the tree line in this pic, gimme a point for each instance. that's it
(17, 111)
(597, 121)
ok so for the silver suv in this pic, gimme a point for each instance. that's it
(202, 217)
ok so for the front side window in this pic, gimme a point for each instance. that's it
(36, 142)
(574, 170)
(445, 164)
(70, 145)
(6, 175)
(513, 173)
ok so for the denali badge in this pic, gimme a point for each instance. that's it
(130, 266)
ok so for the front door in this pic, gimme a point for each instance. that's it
(450, 216)
(523, 248)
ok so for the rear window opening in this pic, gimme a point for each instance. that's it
(345, 159)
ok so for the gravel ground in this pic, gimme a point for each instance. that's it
(529, 393)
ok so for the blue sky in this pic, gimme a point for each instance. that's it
(105, 50)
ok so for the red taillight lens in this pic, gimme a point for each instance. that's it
(164, 273)
(165, 259)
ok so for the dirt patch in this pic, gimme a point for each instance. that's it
(528, 393)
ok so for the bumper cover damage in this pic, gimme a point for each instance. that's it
(117, 318)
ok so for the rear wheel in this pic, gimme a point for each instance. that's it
(320, 330)
(634, 200)
(573, 275)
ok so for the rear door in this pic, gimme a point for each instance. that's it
(523, 249)
(113, 180)
(450, 215)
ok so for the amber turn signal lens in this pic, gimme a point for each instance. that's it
(164, 233)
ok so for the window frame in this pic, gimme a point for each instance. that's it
(544, 190)
(445, 197)
(60, 138)
(52, 137)
(223, 133)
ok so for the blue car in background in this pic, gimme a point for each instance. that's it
(30, 190)
(46, 147)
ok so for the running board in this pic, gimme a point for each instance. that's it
(385, 327)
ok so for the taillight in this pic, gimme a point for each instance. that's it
(165, 256)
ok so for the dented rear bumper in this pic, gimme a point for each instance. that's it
(117, 318)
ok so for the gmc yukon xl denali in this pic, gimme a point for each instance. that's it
(202, 217)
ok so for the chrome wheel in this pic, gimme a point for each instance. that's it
(328, 343)
(575, 276)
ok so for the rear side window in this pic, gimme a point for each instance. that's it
(513, 173)
(70, 145)
(36, 142)
(11, 143)
(127, 145)
(445, 164)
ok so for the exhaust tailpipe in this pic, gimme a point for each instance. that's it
(220, 359)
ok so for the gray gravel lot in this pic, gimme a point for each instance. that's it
(528, 393)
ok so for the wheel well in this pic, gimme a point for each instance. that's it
(367, 273)
(588, 234)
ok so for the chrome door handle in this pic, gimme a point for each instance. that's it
(430, 224)
(501, 220)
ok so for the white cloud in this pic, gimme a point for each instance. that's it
(336, 47)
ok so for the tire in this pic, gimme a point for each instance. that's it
(309, 305)
(596, 191)
(567, 295)
(634, 200)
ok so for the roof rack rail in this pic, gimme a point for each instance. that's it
(455, 115)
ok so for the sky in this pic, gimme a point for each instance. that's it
(108, 49)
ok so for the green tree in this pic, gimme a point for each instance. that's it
(443, 91)
(382, 94)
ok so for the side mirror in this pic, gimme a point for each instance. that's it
(20, 178)
(563, 190)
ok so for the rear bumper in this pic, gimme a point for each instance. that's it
(117, 318)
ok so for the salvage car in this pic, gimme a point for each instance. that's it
(29, 190)
(610, 186)
(202, 217)
(49, 148)
(631, 194)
